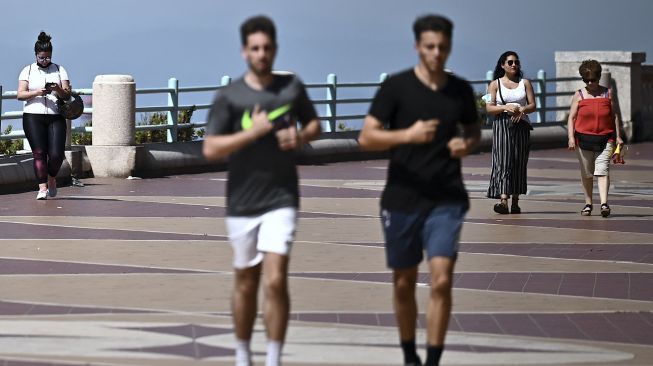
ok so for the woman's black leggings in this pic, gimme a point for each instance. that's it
(46, 134)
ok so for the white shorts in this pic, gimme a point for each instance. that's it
(595, 163)
(252, 236)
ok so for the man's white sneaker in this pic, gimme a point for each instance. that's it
(42, 195)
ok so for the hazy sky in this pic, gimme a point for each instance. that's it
(197, 41)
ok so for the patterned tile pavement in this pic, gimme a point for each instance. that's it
(137, 272)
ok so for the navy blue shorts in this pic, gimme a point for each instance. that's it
(409, 234)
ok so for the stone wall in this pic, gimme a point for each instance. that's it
(646, 131)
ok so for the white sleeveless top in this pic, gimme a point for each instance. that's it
(516, 95)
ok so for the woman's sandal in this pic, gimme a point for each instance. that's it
(514, 208)
(605, 210)
(587, 210)
(502, 207)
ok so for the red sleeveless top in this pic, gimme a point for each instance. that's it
(595, 116)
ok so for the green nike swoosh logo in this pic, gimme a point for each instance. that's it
(246, 120)
(278, 112)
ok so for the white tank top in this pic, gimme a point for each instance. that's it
(516, 95)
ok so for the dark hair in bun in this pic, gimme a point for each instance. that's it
(43, 44)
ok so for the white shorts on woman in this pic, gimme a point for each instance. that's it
(595, 163)
(253, 236)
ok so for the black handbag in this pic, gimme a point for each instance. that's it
(71, 108)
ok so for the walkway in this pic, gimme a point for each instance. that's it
(137, 272)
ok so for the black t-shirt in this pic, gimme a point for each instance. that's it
(422, 176)
(261, 176)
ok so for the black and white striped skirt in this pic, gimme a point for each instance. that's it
(510, 149)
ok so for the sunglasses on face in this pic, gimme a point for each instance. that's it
(587, 81)
(511, 62)
(42, 59)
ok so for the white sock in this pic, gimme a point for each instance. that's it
(274, 353)
(243, 353)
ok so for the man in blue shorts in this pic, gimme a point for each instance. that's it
(417, 114)
(253, 121)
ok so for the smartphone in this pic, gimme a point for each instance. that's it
(49, 86)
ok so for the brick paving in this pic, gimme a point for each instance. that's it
(138, 272)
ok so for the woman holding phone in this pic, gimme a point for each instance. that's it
(39, 85)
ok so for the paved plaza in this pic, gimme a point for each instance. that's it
(138, 272)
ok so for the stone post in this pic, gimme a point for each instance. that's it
(113, 153)
(626, 70)
(646, 130)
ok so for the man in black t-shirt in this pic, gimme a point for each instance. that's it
(418, 114)
(253, 121)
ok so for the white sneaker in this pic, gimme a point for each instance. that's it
(42, 195)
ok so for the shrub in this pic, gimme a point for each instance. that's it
(480, 106)
(161, 118)
(343, 127)
(81, 138)
(9, 147)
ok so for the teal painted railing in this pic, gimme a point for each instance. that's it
(333, 102)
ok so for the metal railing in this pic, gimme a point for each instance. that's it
(542, 93)
(16, 115)
(331, 102)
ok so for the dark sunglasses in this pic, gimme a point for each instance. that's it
(587, 81)
(510, 62)
(43, 58)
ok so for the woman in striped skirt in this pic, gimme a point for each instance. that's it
(511, 99)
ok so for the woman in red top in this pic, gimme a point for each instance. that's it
(594, 131)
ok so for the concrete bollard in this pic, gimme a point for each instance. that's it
(114, 106)
(112, 153)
